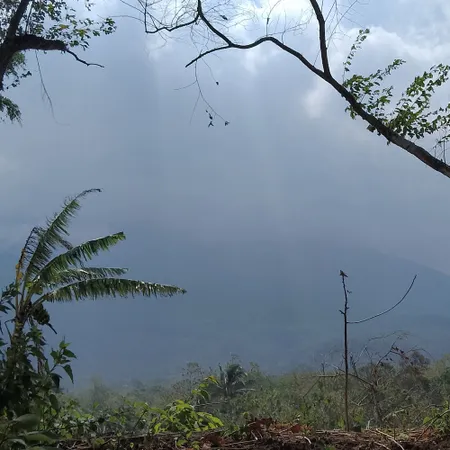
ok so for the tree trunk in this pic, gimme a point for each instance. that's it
(6, 55)
(12, 384)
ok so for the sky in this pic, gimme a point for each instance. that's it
(291, 164)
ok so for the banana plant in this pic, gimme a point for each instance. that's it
(51, 270)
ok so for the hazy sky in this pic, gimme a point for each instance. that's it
(290, 164)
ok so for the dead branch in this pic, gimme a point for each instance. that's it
(389, 309)
(82, 61)
(346, 356)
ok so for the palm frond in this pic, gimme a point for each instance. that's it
(235, 373)
(77, 256)
(28, 249)
(108, 287)
(75, 274)
(52, 236)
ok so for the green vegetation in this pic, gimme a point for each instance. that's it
(51, 269)
(397, 390)
(41, 26)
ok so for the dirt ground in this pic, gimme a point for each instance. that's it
(319, 440)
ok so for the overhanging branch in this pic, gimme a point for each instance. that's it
(32, 42)
(82, 61)
(400, 141)
(230, 44)
(154, 25)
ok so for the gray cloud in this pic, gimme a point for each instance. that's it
(275, 173)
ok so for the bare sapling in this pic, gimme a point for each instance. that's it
(347, 322)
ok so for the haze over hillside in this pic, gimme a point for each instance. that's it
(275, 303)
(229, 212)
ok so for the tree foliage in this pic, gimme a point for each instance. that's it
(41, 25)
(231, 380)
(412, 116)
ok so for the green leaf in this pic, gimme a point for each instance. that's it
(109, 287)
(54, 402)
(11, 109)
(69, 354)
(46, 447)
(71, 275)
(56, 378)
(76, 257)
(41, 436)
(52, 236)
(18, 441)
(68, 369)
(27, 421)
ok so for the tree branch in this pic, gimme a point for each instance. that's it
(342, 372)
(15, 20)
(82, 61)
(231, 44)
(324, 73)
(400, 141)
(6, 48)
(167, 28)
(389, 309)
(322, 37)
(33, 42)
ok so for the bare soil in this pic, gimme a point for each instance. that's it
(319, 440)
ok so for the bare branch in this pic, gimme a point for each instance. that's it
(230, 44)
(82, 61)
(343, 276)
(207, 52)
(341, 372)
(389, 309)
(32, 42)
(168, 28)
(322, 37)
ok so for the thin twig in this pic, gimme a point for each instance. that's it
(86, 63)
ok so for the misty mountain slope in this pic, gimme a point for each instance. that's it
(271, 302)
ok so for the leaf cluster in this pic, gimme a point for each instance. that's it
(55, 24)
(413, 115)
(24, 432)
